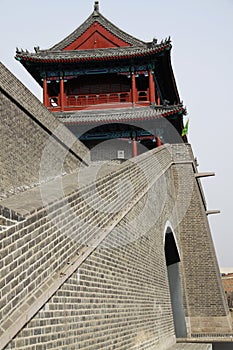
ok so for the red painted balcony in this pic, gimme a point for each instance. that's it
(97, 101)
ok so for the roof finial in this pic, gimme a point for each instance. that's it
(96, 6)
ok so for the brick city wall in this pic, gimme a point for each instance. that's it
(118, 278)
(25, 132)
(93, 263)
(200, 271)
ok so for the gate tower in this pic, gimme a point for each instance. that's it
(105, 84)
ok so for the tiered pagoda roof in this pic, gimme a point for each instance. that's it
(97, 47)
(97, 39)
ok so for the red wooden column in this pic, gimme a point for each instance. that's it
(134, 88)
(152, 87)
(158, 100)
(62, 95)
(45, 93)
(134, 148)
(157, 95)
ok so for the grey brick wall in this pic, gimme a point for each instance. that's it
(203, 293)
(112, 300)
(84, 291)
(25, 132)
(38, 249)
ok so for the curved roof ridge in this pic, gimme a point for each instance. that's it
(97, 17)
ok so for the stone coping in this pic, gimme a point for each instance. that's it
(191, 346)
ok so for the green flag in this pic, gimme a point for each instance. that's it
(185, 130)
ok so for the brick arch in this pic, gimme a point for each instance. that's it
(173, 258)
(172, 251)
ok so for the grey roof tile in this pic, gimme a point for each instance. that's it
(94, 54)
(119, 115)
(57, 53)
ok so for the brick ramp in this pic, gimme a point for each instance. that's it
(76, 253)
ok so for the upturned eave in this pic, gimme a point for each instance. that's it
(46, 56)
(121, 116)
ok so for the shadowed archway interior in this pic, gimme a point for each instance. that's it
(172, 260)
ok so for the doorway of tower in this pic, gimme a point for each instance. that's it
(173, 261)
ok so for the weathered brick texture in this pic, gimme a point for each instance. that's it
(201, 274)
(117, 295)
(26, 129)
(129, 258)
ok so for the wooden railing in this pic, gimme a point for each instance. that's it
(94, 99)
(143, 95)
(84, 100)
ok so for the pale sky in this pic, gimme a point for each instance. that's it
(202, 58)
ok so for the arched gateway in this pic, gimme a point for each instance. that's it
(173, 259)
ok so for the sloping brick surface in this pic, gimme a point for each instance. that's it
(27, 132)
